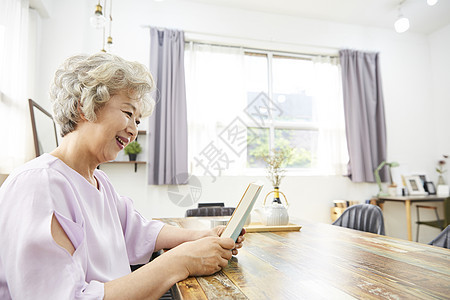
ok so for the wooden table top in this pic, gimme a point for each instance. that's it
(322, 261)
(413, 198)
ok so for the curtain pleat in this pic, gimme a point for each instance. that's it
(364, 114)
(167, 142)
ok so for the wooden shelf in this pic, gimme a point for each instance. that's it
(140, 132)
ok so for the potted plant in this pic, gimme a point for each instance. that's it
(276, 163)
(132, 150)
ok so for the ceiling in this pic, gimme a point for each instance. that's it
(374, 13)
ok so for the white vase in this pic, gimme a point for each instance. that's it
(441, 180)
(443, 190)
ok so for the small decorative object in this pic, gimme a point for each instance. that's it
(276, 214)
(276, 162)
(132, 150)
(414, 186)
(392, 189)
(441, 170)
(443, 190)
(430, 188)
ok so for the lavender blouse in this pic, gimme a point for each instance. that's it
(107, 232)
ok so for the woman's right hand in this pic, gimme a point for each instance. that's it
(204, 256)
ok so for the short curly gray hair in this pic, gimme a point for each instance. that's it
(90, 81)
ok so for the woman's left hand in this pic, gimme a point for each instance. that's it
(217, 231)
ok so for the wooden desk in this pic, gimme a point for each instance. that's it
(323, 261)
(407, 200)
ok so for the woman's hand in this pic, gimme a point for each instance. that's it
(204, 256)
(217, 231)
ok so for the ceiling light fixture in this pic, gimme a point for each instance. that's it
(109, 41)
(432, 2)
(98, 20)
(402, 23)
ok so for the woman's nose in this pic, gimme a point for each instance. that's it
(132, 129)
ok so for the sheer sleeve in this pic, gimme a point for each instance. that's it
(140, 233)
(34, 265)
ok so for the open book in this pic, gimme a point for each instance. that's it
(243, 209)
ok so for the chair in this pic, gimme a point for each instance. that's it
(167, 295)
(211, 204)
(443, 239)
(438, 223)
(362, 217)
(209, 211)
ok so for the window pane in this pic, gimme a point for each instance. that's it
(291, 81)
(256, 79)
(257, 146)
(303, 141)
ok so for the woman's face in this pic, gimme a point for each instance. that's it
(115, 127)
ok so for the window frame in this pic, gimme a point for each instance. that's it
(273, 125)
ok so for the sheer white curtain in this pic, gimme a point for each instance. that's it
(332, 154)
(13, 83)
(215, 96)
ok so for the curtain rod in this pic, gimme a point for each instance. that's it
(292, 53)
(240, 41)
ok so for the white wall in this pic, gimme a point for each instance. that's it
(414, 69)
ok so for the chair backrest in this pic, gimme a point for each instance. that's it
(211, 204)
(363, 217)
(447, 211)
(443, 239)
(209, 211)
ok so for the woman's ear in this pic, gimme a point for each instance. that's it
(80, 110)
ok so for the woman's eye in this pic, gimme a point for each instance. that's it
(128, 113)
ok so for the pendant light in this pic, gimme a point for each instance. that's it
(98, 20)
(402, 23)
(109, 40)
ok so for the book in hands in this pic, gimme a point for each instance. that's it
(242, 211)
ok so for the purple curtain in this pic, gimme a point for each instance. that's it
(167, 142)
(364, 114)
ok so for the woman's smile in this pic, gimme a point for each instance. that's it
(121, 142)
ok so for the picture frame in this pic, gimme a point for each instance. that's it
(430, 188)
(414, 186)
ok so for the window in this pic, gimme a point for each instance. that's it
(285, 83)
(275, 100)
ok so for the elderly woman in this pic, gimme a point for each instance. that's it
(65, 232)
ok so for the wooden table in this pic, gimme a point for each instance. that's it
(323, 261)
(407, 200)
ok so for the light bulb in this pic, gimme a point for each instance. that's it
(98, 20)
(431, 2)
(402, 24)
(109, 44)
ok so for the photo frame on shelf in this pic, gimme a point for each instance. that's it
(414, 186)
(430, 188)
(423, 178)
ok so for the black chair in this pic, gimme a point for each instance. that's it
(438, 223)
(211, 204)
(362, 217)
(167, 295)
(443, 239)
(209, 211)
